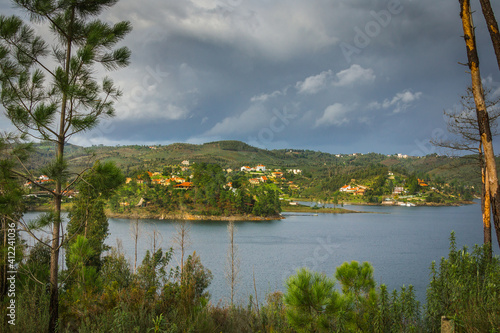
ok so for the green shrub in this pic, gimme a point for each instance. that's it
(466, 288)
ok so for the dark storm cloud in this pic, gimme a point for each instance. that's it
(335, 75)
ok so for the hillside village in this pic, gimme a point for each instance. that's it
(400, 191)
(391, 189)
(181, 175)
(295, 175)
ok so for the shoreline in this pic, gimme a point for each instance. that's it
(185, 216)
(420, 204)
(307, 209)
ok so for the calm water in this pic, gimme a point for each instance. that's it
(400, 242)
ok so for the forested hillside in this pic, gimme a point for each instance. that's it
(328, 171)
(234, 154)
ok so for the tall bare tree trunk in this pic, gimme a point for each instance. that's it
(232, 262)
(486, 208)
(485, 202)
(482, 114)
(135, 237)
(182, 240)
(492, 24)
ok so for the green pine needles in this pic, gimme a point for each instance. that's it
(54, 103)
(313, 304)
(54, 90)
(465, 288)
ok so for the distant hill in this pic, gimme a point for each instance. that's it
(235, 154)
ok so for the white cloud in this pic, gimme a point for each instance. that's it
(406, 97)
(265, 97)
(347, 77)
(335, 114)
(314, 84)
(400, 102)
(156, 94)
(354, 74)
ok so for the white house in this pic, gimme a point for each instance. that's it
(260, 167)
(398, 190)
(345, 188)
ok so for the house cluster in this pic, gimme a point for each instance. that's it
(273, 176)
(256, 181)
(398, 190)
(276, 173)
(356, 190)
(43, 179)
(158, 179)
(259, 168)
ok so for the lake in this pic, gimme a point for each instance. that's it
(400, 243)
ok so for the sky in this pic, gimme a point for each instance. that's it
(338, 76)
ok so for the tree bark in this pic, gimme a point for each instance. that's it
(492, 24)
(485, 203)
(54, 263)
(486, 208)
(61, 140)
(481, 112)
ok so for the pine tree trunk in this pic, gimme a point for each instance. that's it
(492, 24)
(482, 114)
(54, 264)
(61, 140)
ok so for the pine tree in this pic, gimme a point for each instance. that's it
(52, 104)
(87, 216)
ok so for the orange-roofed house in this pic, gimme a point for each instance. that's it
(260, 167)
(345, 188)
(421, 182)
(360, 191)
(156, 181)
(184, 186)
(178, 179)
